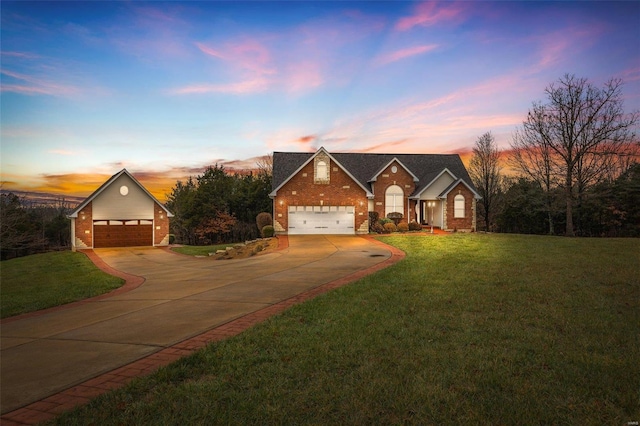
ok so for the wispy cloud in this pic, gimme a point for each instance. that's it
(62, 152)
(431, 13)
(405, 53)
(32, 85)
(242, 87)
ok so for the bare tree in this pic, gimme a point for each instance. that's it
(580, 129)
(484, 169)
(265, 164)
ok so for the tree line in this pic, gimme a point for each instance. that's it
(575, 163)
(219, 207)
(28, 227)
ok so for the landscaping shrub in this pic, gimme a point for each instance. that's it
(373, 220)
(268, 231)
(390, 227)
(376, 227)
(396, 217)
(384, 221)
(263, 219)
(403, 227)
(414, 226)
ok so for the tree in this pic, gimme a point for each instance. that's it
(579, 130)
(484, 170)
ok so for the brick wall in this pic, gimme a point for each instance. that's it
(161, 226)
(466, 223)
(386, 179)
(84, 227)
(302, 191)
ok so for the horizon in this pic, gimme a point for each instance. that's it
(166, 89)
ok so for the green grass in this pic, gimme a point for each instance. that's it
(200, 250)
(467, 329)
(44, 280)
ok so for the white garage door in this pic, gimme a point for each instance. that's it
(321, 220)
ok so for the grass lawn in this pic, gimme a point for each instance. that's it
(467, 329)
(41, 281)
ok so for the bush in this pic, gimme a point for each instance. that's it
(376, 227)
(390, 227)
(414, 226)
(403, 227)
(373, 220)
(263, 219)
(268, 231)
(384, 221)
(396, 217)
(172, 238)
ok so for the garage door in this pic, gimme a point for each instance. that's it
(321, 220)
(122, 233)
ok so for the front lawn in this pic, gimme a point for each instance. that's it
(467, 329)
(200, 250)
(41, 281)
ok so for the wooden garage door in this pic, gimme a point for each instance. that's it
(122, 233)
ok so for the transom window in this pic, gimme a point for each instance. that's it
(458, 206)
(394, 200)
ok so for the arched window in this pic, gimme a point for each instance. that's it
(394, 200)
(458, 206)
(322, 171)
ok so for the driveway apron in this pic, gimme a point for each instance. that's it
(180, 298)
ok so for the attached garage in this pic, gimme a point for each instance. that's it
(321, 220)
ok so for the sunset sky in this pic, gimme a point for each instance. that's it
(167, 88)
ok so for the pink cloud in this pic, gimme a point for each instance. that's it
(61, 152)
(31, 85)
(239, 88)
(430, 13)
(405, 53)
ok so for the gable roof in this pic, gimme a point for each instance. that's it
(364, 167)
(287, 162)
(395, 159)
(105, 185)
(455, 183)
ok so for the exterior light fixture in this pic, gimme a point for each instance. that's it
(431, 205)
(281, 202)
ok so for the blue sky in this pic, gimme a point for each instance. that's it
(167, 88)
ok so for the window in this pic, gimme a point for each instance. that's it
(458, 206)
(321, 170)
(394, 200)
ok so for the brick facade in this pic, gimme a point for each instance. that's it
(466, 223)
(84, 227)
(387, 178)
(161, 226)
(303, 190)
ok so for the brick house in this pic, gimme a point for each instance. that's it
(121, 213)
(333, 193)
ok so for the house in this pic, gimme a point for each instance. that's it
(121, 213)
(333, 193)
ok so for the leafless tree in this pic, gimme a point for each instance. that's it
(265, 164)
(575, 137)
(484, 169)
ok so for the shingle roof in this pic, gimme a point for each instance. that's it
(363, 166)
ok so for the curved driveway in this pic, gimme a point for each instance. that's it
(181, 297)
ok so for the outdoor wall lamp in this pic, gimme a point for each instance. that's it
(281, 202)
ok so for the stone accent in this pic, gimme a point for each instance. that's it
(161, 226)
(84, 223)
(364, 228)
(277, 227)
(320, 180)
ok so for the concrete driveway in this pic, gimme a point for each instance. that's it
(180, 298)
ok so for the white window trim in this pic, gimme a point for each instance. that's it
(398, 194)
(458, 211)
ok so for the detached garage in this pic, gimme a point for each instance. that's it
(121, 213)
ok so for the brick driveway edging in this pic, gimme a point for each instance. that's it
(54, 405)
